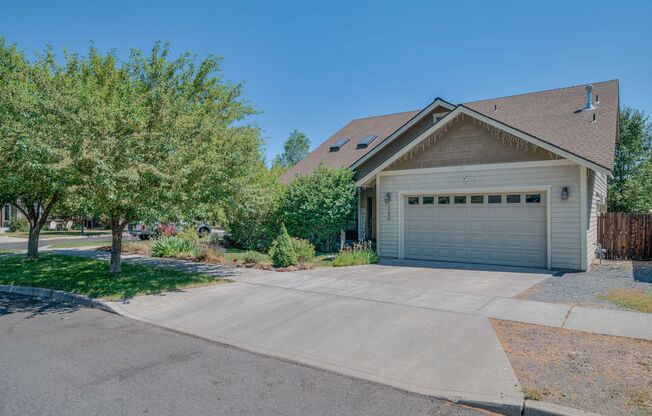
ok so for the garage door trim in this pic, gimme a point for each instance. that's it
(461, 190)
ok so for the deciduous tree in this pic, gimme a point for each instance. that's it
(39, 126)
(164, 138)
(630, 189)
(295, 148)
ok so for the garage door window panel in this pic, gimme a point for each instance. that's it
(495, 199)
(533, 198)
(444, 200)
(513, 199)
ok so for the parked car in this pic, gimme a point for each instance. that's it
(145, 231)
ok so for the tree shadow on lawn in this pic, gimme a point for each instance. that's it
(91, 277)
(12, 303)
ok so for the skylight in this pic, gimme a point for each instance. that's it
(338, 145)
(364, 143)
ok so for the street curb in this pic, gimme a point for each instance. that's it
(58, 295)
(536, 408)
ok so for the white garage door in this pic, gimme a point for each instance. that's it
(507, 228)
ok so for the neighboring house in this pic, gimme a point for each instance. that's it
(6, 214)
(514, 180)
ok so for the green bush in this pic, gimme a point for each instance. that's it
(304, 249)
(252, 257)
(18, 224)
(357, 255)
(214, 239)
(282, 250)
(188, 234)
(176, 247)
(252, 216)
(318, 206)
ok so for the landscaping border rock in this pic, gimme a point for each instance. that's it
(58, 295)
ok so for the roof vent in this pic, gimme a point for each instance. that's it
(589, 98)
(338, 145)
(364, 143)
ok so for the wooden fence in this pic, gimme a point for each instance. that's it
(626, 236)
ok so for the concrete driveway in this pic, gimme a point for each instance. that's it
(408, 326)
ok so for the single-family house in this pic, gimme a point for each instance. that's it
(517, 180)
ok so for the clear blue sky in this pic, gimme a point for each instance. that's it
(316, 66)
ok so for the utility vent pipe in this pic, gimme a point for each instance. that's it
(589, 98)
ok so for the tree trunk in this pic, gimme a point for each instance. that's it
(117, 228)
(32, 242)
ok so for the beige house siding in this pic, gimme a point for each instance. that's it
(596, 193)
(468, 143)
(565, 214)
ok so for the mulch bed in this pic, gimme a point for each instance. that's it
(272, 268)
(599, 373)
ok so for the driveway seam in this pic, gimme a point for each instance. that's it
(356, 298)
(563, 324)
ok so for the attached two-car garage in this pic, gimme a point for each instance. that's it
(507, 228)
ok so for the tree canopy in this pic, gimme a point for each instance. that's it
(295, 148)
(163, 138)
(630, 189)
(39, 140)
(150, 137)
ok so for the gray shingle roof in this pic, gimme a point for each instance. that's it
(553, 116)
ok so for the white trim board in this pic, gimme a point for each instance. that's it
(534, 188)
(583, 218)
(472, 168)
(471, 113)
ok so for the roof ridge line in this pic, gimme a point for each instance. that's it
(541, 91)
(385, 115)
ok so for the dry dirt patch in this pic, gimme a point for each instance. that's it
(599, 373)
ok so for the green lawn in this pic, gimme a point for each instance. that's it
(80, 243)
(91, 278)
(53, 234)
(630, 299)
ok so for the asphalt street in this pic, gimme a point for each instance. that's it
(59, 359)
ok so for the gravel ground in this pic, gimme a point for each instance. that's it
(600, 373)
(583, 288)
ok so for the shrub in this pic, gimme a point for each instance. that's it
(356, 255)
(188, 234)
(282, 250)
(304, 249)
(213, 255)
(176, 247)
(252, 257)
(318, 206)
(18, 224)
(252, 216)
(214, 239)
(166, 230)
